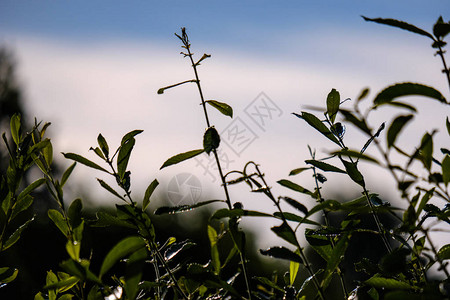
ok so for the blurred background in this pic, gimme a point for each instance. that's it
(92, 67)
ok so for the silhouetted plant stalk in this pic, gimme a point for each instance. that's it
(264, 188)
(187, 46)
(327, 221)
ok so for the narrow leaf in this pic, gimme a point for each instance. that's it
(446, 169)
(84, 161)
(212, 235)
(297, 171)
(293, 270)
(148, 193)
(181, 157)
(444, 252)
(337, 255)
(222, 107)
(59, 221)
(182, 208)
(295, 204)
(355, 154)
(314, 122)
(31, 187)
(282, 253)
(324, 166)
(103, 145)
(354, 173)
(67, 174)
(124, 156)
(286, 233)
(293, 186)
(130, 135)
(407, 89)
(232, 213)
(401, 25)
(8, 274)
(121, 250)
(395, 128)
(16, 235)
(15, 128)
(21, 205)
(333, 101)
(426, 150)
(109, 189)
(387, 283)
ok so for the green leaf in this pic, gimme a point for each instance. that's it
(333, 101)
(337, 255)
(211, 140)
(120, 250)
(59, 221)
(293, 186)
(21, 205)
(222, 107)
(297, 171)
(350, 117)
(447, 124)
(73, 249)
(426, 150)
(63, 285)
(232, 213)
(293, 217)
(148, 193)
(387, 283)
(109, 189)
(215, 258)
(133, 272)
(80, 269)
(269, 283)
(182, 208)
(324, 166)
(446, 169)
(74, 213)
(67, 173)
(47, 153)
(282, 253)
(15, 128)
(293, 269)
(314, 122)
(401, 25)
(363, 94)
(84, 161)
(105, 219)
(8, 275)
(320, 243)
(31, 187)
(103, 145)
(407, 89)
(130, 135)
(13, 238)
(295, 204)
(355, 154)
(444, 252)
(331, 205)
(354, 173)
(124, 156)
(395, 128)
(286, 233)
(181, 157)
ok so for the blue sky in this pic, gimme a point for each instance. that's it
(95, 66)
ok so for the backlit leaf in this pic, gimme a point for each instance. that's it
(395, 128)
(109, 189)
(15, 128)
(444, 252)
(31, 187)
(286, 233)
(314, 122)
(293, 186)
(181, 157)
(148, 193)
(222, 107)
(446, 169)
(182, 208)
(8, 274)
(324, 166)
(407, 89)
(59, 221)
(232, 213)
(333, 101)
(122, 249)
(84, 161)
(401, 25)
(295, 204)
(354, 173)
(387, 283)
(211, 140)
(13, 238)
(67, 174)
(103, 145)
(282, 253)
(426, 150)
(124, 156)
(212, 235)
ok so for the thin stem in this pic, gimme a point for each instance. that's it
(302, 254)
(446, 69)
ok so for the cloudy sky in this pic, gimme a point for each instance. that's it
(95, 66)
